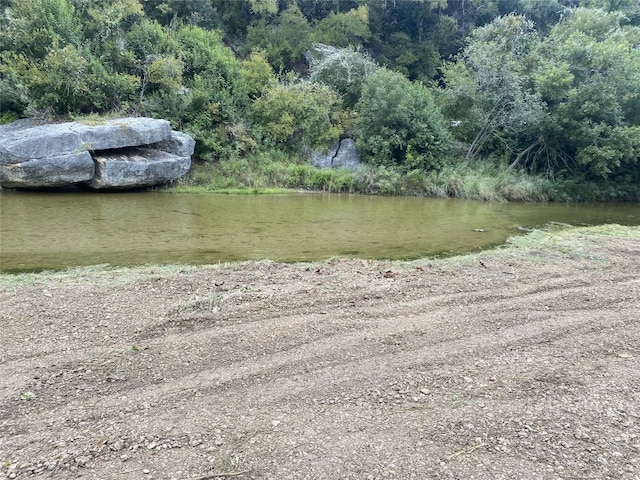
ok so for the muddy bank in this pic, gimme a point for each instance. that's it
(516, 363)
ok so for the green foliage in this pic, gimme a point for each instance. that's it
(494, 82)
(344, 29)
(484, 180)
(586, 75)
(14, 95)
(33, 27)
(270, 168)
(216, 97)
(345, 71)
(164, 72)
(257, 74)
(66, 80)
(416, 60)
(202, 13)
(565, 105)
(284, 40)
(298, 115)
(545, 88)
(399, 123)
(264, 7)
(147, 38)
(109, 17)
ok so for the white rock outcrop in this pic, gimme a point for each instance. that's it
(118, 153)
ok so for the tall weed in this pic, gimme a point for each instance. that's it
(277, 169)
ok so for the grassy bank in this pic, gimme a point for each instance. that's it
(275, 172)
(272, 172)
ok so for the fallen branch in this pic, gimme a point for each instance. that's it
(131, 471)
(223, 474)
(466, 450)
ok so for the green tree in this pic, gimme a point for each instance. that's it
(202, 13)
(33, 27)
(350, 28)
(67, 80)
(49, 64)
(147, 38)
(345, 71)
(588, 75)
(400, 124)
(298, 115)
(543, 13)
(472, 13)
(258, 74)
(216, 96)
(108, 19)
(163, 73)
(282, 41)
(418, 60)
(493, 80)
(105, 28)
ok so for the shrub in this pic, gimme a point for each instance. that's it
(400, 124)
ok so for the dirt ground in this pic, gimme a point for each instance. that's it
(517, 363)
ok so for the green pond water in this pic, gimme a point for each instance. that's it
(58, 230)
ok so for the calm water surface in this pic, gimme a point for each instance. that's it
(57, 230)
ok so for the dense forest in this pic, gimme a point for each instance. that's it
(493, 99)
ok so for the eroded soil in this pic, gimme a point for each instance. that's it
(515, 363)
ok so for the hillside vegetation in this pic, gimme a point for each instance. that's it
(492, 99)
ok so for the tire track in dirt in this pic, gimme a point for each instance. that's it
(342, 344)
(403, 373)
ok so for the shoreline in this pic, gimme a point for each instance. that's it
(520, 361)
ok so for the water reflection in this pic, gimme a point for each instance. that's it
(45, 230)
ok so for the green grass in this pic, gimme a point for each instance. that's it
(100, 274)
(275, 172)
(555, 234)
(228, 191)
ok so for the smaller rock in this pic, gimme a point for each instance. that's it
(137, 167)
(52, 171)
(122, 132)
(180, 144)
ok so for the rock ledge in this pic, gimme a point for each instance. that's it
(118, 153)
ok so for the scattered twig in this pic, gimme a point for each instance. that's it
(466, 450)
(223, 474)
(131, 471)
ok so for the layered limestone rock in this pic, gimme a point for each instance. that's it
(342, 154)
(136, 167)
(100, 156)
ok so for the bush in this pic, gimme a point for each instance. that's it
(399, 123)
(297, 115)
(345, 71)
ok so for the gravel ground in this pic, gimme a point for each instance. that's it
(517, 363)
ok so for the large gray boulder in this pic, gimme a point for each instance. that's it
(342, 154)
(41, 141)
(64, 154)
